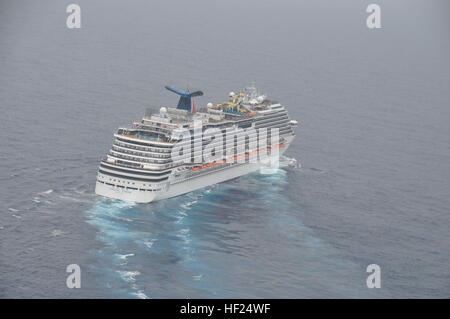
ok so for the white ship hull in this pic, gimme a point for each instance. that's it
(177, 188)
(182, 187)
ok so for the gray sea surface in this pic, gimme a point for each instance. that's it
(373, 144)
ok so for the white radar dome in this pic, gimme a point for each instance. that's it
(232, 93)
(163, 110)
(209, 104)
(260, 99)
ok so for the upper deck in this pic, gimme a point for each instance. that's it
(163, 126)
(240, 106)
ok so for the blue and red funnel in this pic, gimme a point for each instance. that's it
(185, 102)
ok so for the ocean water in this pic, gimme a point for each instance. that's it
(371, 184)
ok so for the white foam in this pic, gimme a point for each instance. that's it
(188, 204)
(289, 161)
(140, 294)
(125, 219)
(197, 277)
(184, 231)
(13, 210)
(56, 232)
(128, 276)
(124, 257)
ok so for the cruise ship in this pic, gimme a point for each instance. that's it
(175, 150)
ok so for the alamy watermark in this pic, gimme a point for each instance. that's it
(74, 279)
(73, 21)
(374, 279)
(234, 145)
(373, 21)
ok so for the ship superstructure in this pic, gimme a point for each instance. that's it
(172, 151)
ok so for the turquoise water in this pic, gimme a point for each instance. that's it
(195, 245)
(371, 186)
